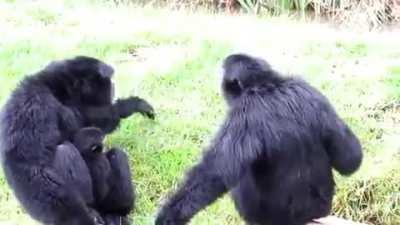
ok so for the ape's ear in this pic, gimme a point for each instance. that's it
(105, 71)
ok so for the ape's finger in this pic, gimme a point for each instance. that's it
(151, 115)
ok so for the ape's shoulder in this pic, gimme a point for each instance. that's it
(303, 90)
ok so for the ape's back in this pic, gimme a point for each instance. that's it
(29, 123)
(29, 135)
(287, 188)
(292, 182)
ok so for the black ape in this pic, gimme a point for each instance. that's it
(110, 173)
(89, 142)
(274, 152)
(105, 180)
(72, 169)
(44, 111)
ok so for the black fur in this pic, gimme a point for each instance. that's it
(112, 185)
(45, 110)
(73, 170)
(274, 152)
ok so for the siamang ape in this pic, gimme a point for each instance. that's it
(112, 186)
(45, 110)
(274, 152)
(73, 170)
(89, 142)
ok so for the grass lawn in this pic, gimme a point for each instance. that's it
(172, 60)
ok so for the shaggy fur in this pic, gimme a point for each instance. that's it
(274, 152)
(111, 177)
(44, 111)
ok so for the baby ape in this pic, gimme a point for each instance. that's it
(112, 185)
(45, 110)
(108, 189)
(274, 152)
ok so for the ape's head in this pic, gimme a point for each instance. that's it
(243, 72)
(89, 141)
(83, 79)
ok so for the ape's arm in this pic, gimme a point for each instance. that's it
(68, 122)
(202, 187)
(342, 145)
(221, 168)
(108, 117)
(105, 117)
(128, 106)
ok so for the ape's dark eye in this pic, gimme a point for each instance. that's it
(97, 148)
(233, 87)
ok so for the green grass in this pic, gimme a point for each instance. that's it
(172, 59)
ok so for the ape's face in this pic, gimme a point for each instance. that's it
(89, 140)
(86, 79)
(93, 80)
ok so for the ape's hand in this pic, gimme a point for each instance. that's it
(95, 216)
(146, 109)
(128, 106)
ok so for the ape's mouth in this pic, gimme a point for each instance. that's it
(98, 148)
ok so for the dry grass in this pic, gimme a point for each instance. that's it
(360, 14)
(364, 14)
